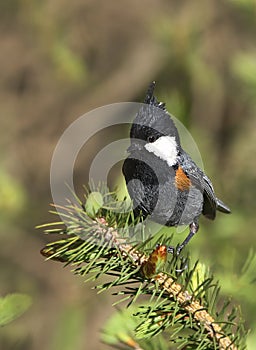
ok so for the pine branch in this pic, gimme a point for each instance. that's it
(100, 244)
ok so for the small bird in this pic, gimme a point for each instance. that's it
(163, 181)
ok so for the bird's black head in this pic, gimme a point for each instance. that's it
(153, 130)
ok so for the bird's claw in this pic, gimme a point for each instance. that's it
(171, 250)
(176, 252)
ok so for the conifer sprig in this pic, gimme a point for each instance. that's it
(183, 301)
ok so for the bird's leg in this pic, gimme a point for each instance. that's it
(193, 228)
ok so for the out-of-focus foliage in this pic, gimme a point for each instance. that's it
(94, 203)
(12, 196)
(12, 306)
(120, 329)
(244, 68)
(69, 330)
(59, 60)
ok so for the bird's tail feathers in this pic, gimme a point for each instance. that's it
(222, 207)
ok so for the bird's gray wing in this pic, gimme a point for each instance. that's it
(202, 182)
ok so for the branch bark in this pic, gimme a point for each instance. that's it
(173, 289)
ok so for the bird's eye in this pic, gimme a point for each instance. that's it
(151, 138)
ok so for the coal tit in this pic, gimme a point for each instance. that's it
(163, 181)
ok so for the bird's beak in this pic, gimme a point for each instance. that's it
(131, 148)
(134, 147)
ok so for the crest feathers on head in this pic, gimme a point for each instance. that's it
(150, 99)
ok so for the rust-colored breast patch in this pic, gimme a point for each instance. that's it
(182, 182)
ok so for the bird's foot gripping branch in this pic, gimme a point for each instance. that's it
(183, 306)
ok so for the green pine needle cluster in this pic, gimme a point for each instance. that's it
(101, 237)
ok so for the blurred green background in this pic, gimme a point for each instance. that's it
(59, 60)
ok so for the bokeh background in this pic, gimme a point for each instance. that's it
(60, 59)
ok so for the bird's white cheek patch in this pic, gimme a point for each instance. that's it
(165, 148)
